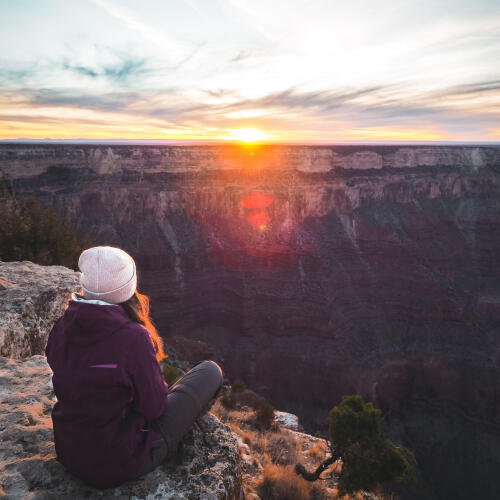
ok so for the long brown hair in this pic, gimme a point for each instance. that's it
(137, 307)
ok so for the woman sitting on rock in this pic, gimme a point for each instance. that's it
(115, 418)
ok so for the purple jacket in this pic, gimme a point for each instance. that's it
(109, 386)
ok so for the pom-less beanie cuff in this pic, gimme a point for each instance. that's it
(108, 274)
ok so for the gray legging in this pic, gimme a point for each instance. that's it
(190, 396)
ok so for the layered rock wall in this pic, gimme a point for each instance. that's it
(371, 270)
(33, 160)
(32, 298)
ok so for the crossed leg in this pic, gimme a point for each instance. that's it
(191, 396)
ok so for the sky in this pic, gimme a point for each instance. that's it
(285, 71)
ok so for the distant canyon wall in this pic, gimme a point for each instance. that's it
(314, 271)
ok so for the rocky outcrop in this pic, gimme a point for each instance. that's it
(32, 298)
(315, 272)
(287, 420)
(207, 467)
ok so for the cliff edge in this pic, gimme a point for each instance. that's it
(32, 297)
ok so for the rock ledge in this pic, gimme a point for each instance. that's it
(32, 297)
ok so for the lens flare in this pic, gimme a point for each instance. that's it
(258, 219)
(255, 205)
(256, 200)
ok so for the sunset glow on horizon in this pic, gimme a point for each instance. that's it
(231, 70)
(246, 135)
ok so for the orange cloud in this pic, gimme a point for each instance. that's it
(66, 122)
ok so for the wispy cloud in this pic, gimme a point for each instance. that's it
(240, 56)
(152, 34)
(192, 4)
(191, 54)
(81, 70)
(108, 101)
(367, 107)
(381, 102)
(473, 88)
(119, 72)
(15, 76)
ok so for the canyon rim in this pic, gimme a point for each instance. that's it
(314, 272)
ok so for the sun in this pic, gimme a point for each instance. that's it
(246, 135)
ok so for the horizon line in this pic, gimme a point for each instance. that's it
(219, 142)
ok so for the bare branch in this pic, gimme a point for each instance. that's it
(313, 476)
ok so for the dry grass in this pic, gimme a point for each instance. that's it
(233, 426)
(247, 436)
(336, 467)
(281, 483)
(265, 459)
(219, 410)
(260, 442)
(237, 415)
(277, 450)
(282, 448)
(318, 451)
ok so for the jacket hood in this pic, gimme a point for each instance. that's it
(86, 323)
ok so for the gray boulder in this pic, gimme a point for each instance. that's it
(32, 297)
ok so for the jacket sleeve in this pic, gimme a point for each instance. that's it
(150, 390)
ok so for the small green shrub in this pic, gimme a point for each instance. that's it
(264, 413)
(238, 385)
(228, 400)
(368, 460)
(30, 231)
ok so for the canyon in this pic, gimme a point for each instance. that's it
(312, 272)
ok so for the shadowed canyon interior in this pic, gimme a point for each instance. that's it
(314, 272)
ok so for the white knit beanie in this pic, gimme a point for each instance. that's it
(108, 274)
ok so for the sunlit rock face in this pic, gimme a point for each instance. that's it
(315, 272)
(32, 298)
